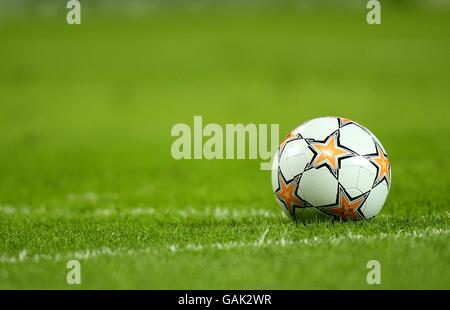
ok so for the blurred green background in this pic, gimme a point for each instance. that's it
(89, 108)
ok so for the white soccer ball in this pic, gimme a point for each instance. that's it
(331, 166)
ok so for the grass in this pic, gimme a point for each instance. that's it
(86, 171)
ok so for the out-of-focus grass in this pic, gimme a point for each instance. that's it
(85, 119)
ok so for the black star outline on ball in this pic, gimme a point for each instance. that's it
(346, 207)
(342, 121)
(287, 193)
(328, 153)
(382, 163)
(291, 136)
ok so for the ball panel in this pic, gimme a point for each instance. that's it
(353, 192)
(367, 175)
(348, 173)
(300, 193)
(357, 172)
(319, 128)
(319, 187)
(357, 139)
(294, 158)
(376, 200)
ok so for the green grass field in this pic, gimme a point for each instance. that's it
(86, 171)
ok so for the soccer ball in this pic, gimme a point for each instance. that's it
(331, 166)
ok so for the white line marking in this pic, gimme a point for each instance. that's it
(23, 256)
(216, 212)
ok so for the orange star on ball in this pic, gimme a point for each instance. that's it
(328, 152)
(286, 193)
(381, 161)
(347, 207)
